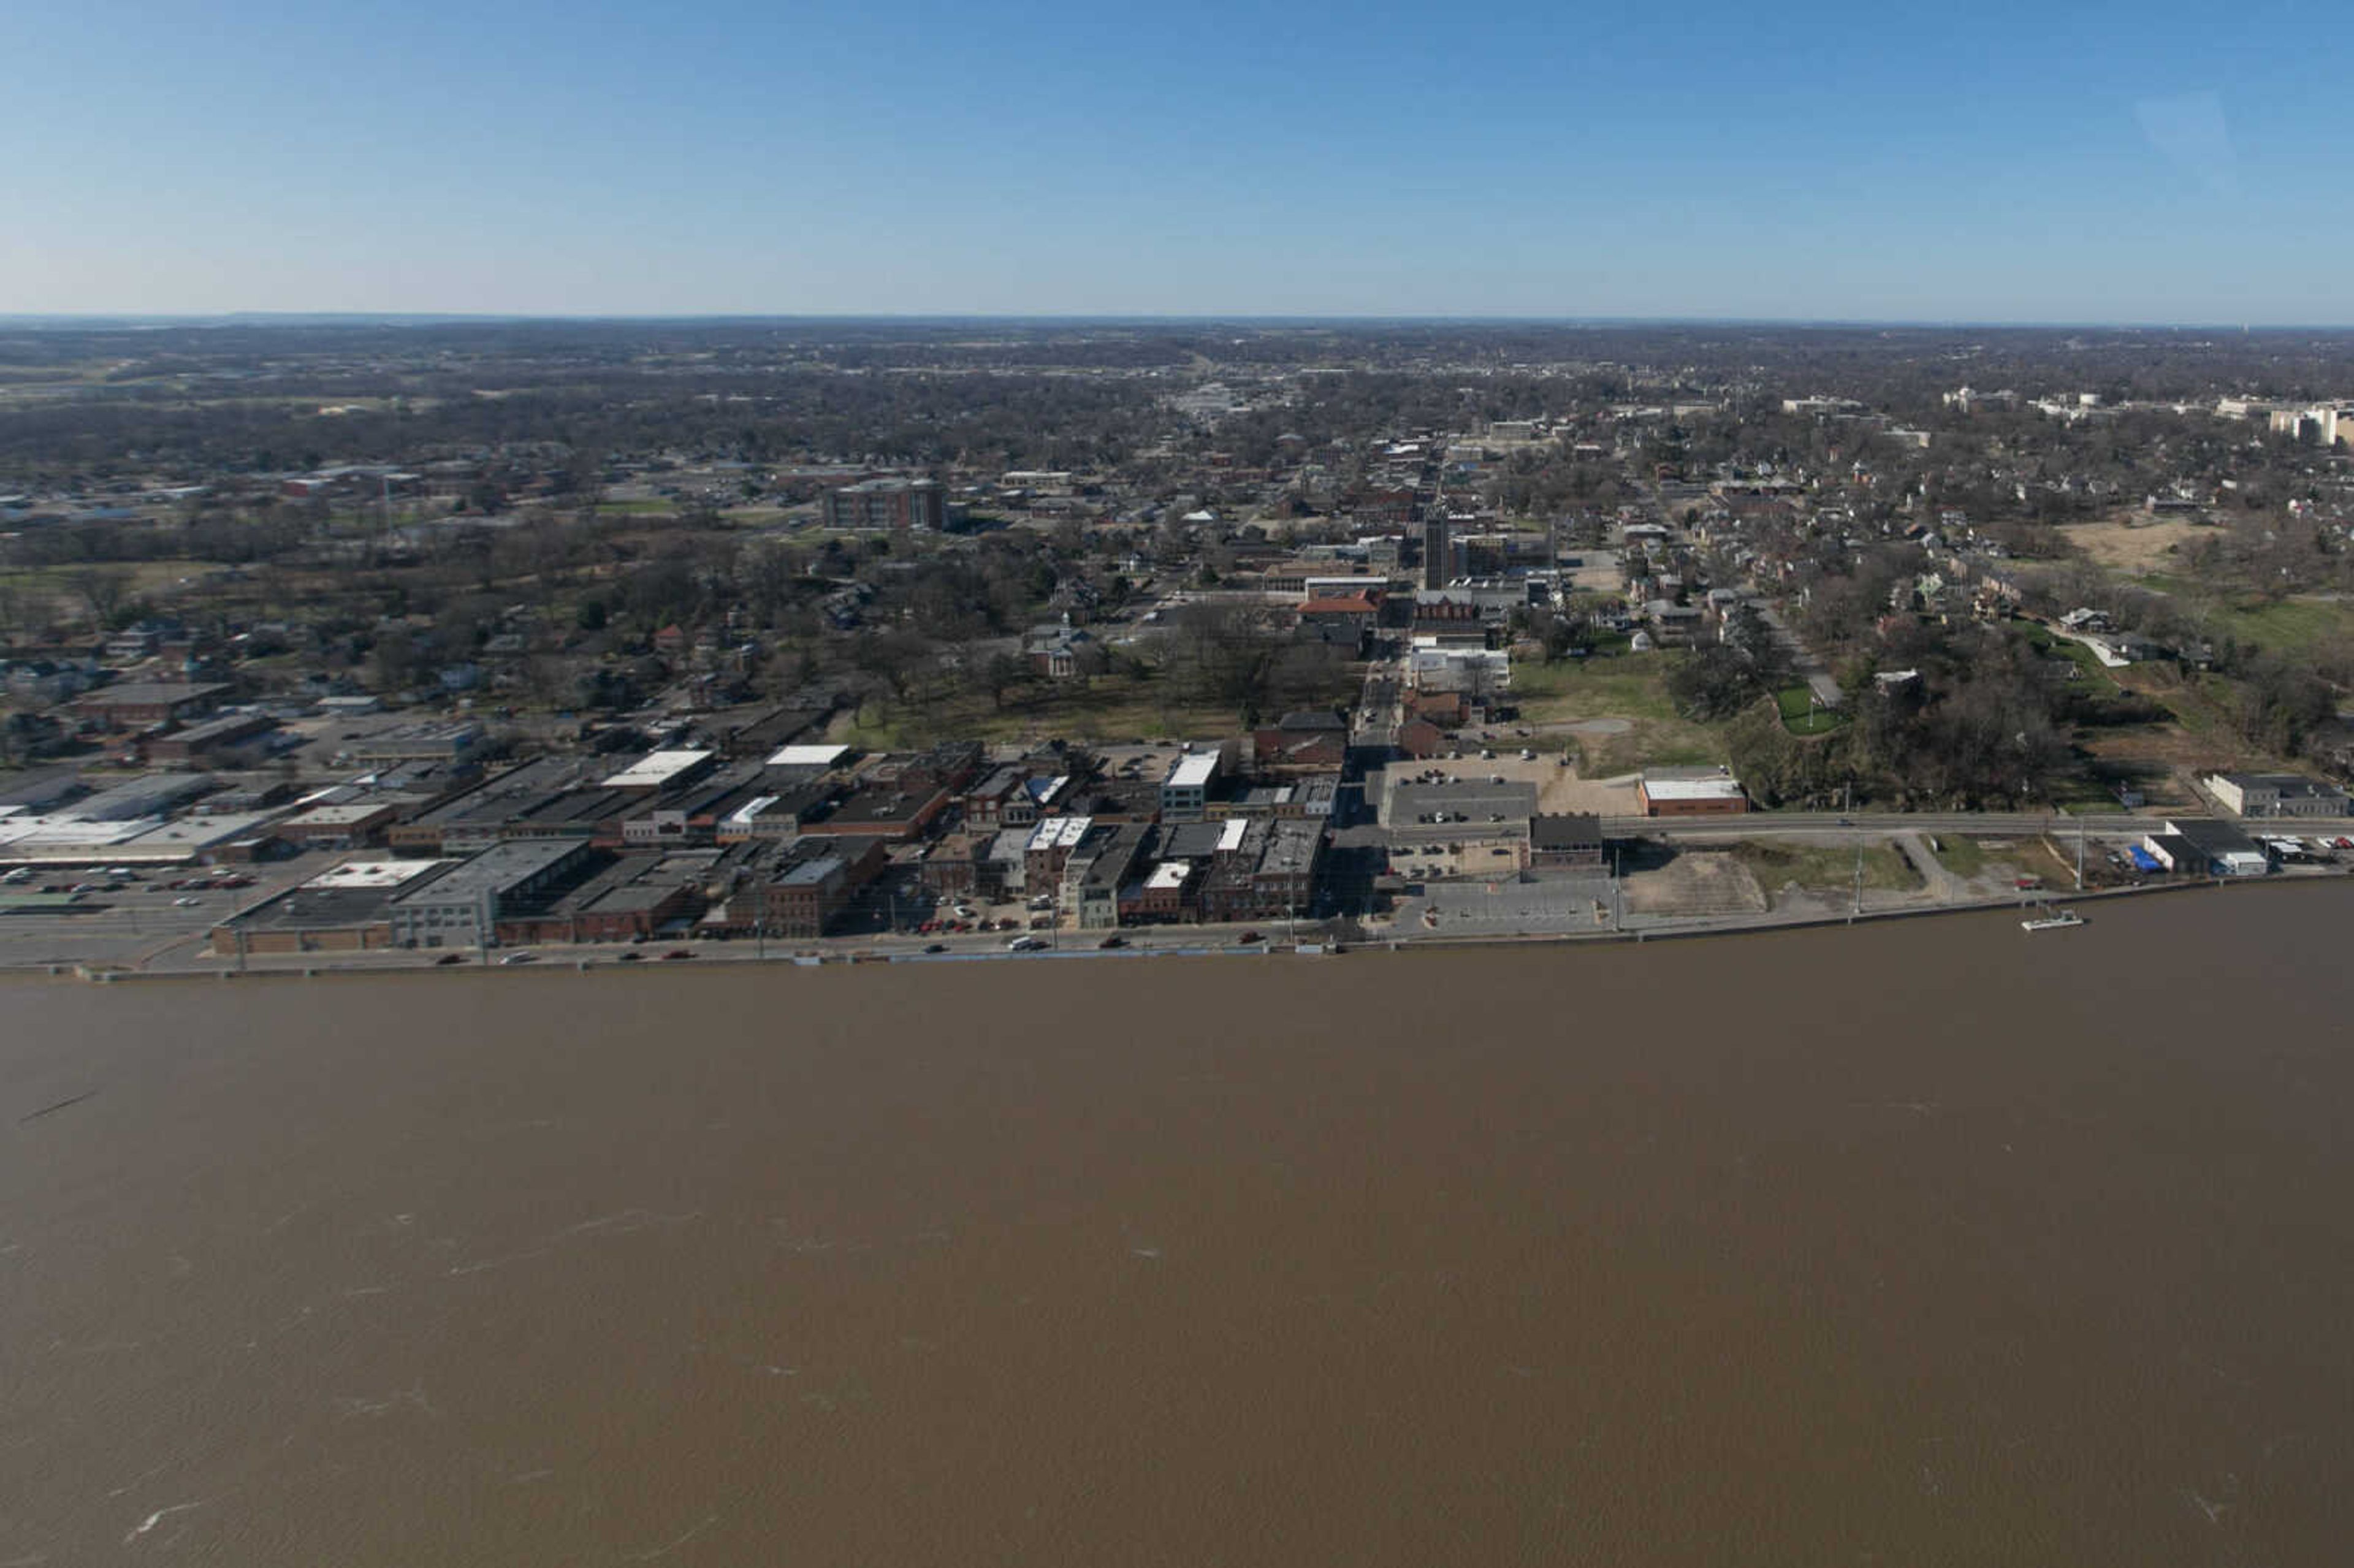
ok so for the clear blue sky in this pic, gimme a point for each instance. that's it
(2069, 161)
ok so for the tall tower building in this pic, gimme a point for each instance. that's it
(1437, 563)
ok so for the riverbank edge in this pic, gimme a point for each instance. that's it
(1698, 929)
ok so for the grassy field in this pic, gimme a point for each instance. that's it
(1814, 866)
(637, 508)
(1632, 686)
(1629, 688)
(51, 590)
(1962, 856)
(2293, 625)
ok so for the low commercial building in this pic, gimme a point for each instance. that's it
(140, 705)
(351, 825)
(475, 818)
(1567, 841)
(2276, 795)
(150, 795)
(882, 810)
(634, 897)
(1052, 843)
(345, 909)
(414, 743)
(2198, 846)
(215, 839)
(1473, 672)
(1283, 883)
(230, 740)
(461, 907)
(1165, 894)
(659, 770)
(1104, 862)
(1680, 793)
(796, 891)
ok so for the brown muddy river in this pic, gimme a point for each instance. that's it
(1918, 1243)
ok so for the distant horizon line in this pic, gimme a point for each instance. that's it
(55, 319)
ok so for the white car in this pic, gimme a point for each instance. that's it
(185, 901)
(519, 957)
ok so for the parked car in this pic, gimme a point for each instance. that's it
(450, 958)
(1113, 941)
(523, 957)
(936, 947)
(677, 953)
(1247, 939)
(1025, 945)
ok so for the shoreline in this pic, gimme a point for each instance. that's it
(327, 966)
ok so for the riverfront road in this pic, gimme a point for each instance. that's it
(1983, 824)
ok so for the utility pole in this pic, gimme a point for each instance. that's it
(1858, 907)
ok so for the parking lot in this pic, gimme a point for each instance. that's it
(1549, 905)
(138, 920)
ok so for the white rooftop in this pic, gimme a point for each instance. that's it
(1060, 833)
(655, 769)
(339, 811)
(44, 829)
(203, 832)
(379, 875)
(1692, 788)
(1194, 771)
(745, 814)
(1170, 874)
(809, 757)
(1230, 837)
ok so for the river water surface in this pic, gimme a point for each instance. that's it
(1921, 1243)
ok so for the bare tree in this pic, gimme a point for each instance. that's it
(101, 590)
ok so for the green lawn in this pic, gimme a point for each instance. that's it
(2292, 625)
(2070, 649)
(1962, 856)
(1800, 715)
(637, 508)
(1631, 686)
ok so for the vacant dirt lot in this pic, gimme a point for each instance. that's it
(2133, 544)
(1696, 882)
